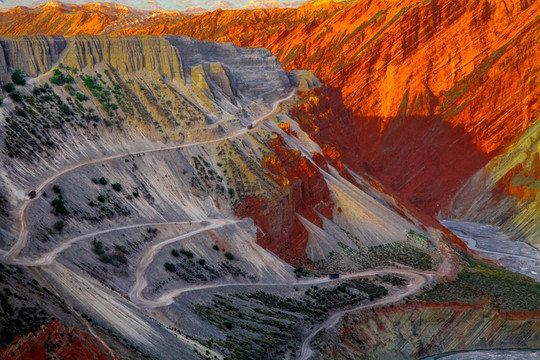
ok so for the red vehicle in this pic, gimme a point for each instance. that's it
(32, 194)
(250, 126)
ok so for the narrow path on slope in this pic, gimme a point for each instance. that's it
(22, 216)
(48, 258)
(148, 257)
(417, 279)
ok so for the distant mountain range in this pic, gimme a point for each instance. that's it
(183, 5)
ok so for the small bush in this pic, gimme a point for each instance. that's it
(215, 247)
(228, 324)
(117, 186)
(229, 256)
(18, 77)
(59, 207)
(58, 78)
(187, 253)
(103, 181)
(81, 96)
(231, 192)
(69, 79)
(169, 267)
(16, 96)
(95, 180)
(57, 189)
(101, 198)
(9, 87)
(175, 253)
(59, 225)
(201, 262)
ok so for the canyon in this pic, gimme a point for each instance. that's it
(220, 178)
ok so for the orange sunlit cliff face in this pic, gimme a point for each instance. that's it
(457, 75)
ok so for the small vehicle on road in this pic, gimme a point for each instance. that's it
(333, 276)
(250, 126)
(32, 194)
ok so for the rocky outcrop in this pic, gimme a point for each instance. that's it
(303, 192)
(401, 332)
(55, 341)
(225, 68)
(480, 83)
(34, 55)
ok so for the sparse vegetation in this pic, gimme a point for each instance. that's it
(59, 207)
(229, 256)
(58, 78)
(480, 282)
(59, 225)
(187, 253)
(169, 267)
(117, 186)
(18, 77)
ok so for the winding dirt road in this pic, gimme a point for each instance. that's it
(417, 279)
(22, 216)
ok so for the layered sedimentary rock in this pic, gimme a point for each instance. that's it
(34, 55)
(408, 65)
(253, 72)
(506, 192)
(303, 192)
(401, 332)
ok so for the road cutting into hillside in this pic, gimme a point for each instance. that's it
(22, 215)
(417, 279)
(48, 258)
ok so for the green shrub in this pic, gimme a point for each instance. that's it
(187, 253)
(229, 256)
(59, 207)
(95, 180)
(117, 186)
(169, 267)
(103, 181)
(231, 192)
(201, 262)
(18, 77)
(81, 96)
(59, 225)
(215, 247)
(16, 96)
(57, 189)
(101, 198)
(69, 79)
(228, 324)
(175, 253)
(98, 247)
(9, 87)
(58, 78)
